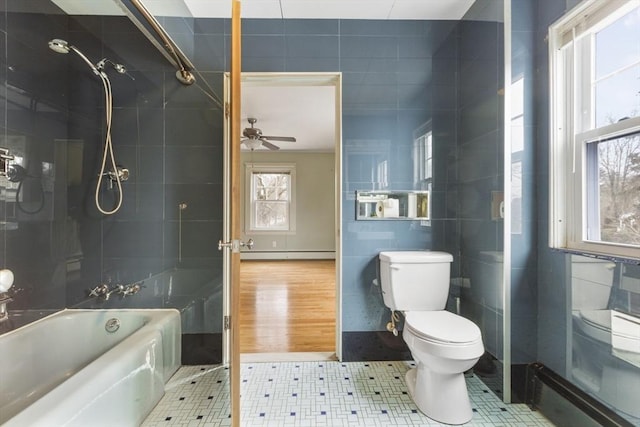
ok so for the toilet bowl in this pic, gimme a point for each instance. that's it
(443, 345)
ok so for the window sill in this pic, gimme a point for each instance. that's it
(613, 258)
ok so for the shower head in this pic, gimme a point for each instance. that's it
(118, 67)
(59, 45)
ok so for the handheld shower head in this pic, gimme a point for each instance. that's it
(59, 45)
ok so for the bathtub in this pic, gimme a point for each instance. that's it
(68, 370)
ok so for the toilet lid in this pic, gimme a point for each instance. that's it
(442, 326)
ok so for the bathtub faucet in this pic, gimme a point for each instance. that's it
(99, 291)
(105, 292)
(132, 288)
(118, 289)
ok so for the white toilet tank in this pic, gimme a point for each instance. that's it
(415, 280)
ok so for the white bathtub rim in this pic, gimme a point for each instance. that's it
(85, 310)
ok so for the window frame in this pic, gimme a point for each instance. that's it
(571, 112)
(250, 201)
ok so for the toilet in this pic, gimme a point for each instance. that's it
(443, 345)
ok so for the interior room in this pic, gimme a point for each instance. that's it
(488, 147)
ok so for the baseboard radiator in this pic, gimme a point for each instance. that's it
(565, 404)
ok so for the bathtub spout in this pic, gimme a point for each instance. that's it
(118, 289)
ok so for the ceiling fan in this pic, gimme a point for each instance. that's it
(253, 137)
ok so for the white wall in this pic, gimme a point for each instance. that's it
(314, 236)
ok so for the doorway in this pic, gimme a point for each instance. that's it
(287, 309)
(287, 269)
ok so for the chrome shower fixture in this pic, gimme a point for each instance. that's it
(118, 67)
(61, 46)
(108, 167)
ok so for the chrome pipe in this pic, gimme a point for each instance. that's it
(171, 51)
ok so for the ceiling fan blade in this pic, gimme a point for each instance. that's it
(280, 138)
(269, 145)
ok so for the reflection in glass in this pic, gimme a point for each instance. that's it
(605, 341)
(517, 147)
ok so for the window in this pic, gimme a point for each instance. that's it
(271, 190)
(595, 129)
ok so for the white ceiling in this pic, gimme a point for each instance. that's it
(304, 112)
(284, 9)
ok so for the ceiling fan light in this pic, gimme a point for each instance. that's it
(253, 143)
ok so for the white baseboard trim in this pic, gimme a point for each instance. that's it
(286, 255)
(287, 357)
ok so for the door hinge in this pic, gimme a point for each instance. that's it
(227, 110)
(227, 323)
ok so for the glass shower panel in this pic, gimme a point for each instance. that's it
(158, 250)
(480, 182)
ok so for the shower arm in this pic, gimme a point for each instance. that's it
(95, 70)
(168, 48)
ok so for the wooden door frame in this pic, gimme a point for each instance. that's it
(232, 213)
(333, 79)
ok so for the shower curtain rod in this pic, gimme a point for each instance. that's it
(168, 47)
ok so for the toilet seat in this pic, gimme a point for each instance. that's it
(596, 324)
(600, 319)
(442, 327)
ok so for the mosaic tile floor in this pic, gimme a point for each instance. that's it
(317, 394)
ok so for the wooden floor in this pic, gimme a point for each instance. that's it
(287, 306)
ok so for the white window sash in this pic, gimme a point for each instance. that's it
(572, 117)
